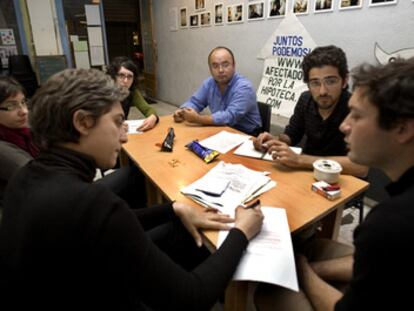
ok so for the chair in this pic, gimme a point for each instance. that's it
(358, 203)
(265, 111)
(21, 69)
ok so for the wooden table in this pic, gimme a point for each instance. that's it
(170, 171)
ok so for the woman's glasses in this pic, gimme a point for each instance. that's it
(124, 76)
(13, 105)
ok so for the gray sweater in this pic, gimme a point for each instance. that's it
(12, 158)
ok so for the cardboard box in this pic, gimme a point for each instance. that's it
(321, 188)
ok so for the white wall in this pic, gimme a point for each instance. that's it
(182, 54)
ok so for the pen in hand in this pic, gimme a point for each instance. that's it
(253, 205)
(264, 148)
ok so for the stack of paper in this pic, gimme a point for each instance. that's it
(247, 149)
(269, 257)
(227, 186)
(134, 125)
(224, 141)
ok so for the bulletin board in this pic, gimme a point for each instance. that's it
(49, 65)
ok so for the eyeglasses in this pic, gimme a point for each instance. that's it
(13, 105)
(124, 76)
(327, 82)
(223, 65)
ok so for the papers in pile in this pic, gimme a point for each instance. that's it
(227, 186)
(134, 125)
(247, 149)
(269, 256)
(224, 141)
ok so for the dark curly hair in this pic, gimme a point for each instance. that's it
(9, 87)
(123, 61)
(325, 56)
(389, 87)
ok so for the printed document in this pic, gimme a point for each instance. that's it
(134, 125)
(247, 149)
(224, 141)
(237, 184)
(269, 256)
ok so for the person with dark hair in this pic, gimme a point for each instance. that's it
(66, 242)
(124, 71)
(16, 146)
(379, 132)
(229, 96)
(317, 116)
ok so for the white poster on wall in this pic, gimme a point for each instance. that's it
(282, 77)
(96, 49)
(43, 27)
(93, 16)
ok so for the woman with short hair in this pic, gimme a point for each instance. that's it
(67, 243)
(125, 73)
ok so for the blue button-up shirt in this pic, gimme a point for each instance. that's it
(236, 108)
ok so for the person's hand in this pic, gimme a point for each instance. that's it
(148, 123)
(190, 115)
(281, 153)
(179, 115)
(259, 141)
(249, 221)
(194, 219)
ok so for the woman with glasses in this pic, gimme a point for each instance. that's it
(16, 146)
(125, 73)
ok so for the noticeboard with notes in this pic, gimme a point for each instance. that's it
(49, 65)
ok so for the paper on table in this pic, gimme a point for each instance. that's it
(269, 257)
(133, 126)
(243, 182)
(214, 187)
(224, 141)
(247, 149)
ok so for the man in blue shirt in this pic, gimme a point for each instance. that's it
(230, 97)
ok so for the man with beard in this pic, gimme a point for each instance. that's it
(230, 97)
(317, 116)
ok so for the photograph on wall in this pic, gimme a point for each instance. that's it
(235, 13)
(7, 37)
(218, 14)
(194, 20)
(322, 6)
(205, 19)
(5, 52)
(350, 4)
(183, 17)
(200, 4)
(381, 2)
(255, 10)
(277, 8)
(300, 7)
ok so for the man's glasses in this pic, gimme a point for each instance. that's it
(327, 82)
(13, 105)
(124, 76)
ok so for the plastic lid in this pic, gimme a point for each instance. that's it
(327, 166)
